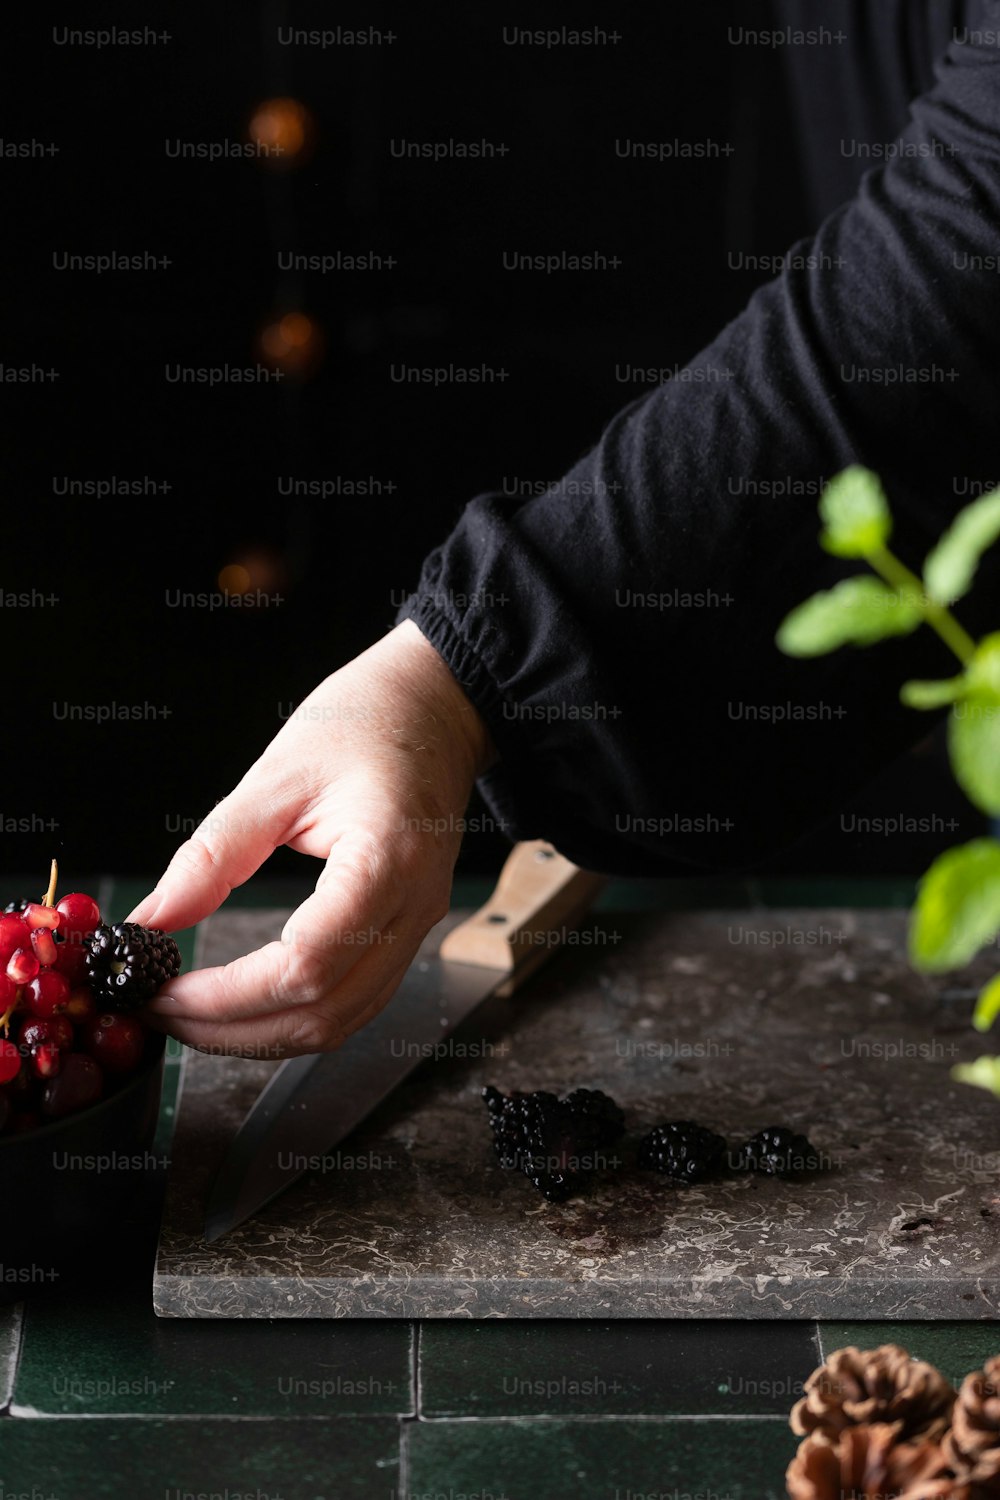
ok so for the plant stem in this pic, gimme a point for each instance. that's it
(940, 619)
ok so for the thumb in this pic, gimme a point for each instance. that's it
(226, 848)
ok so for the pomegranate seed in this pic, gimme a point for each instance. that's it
(44, 945)
(37, 915)
(23, 966)
(10, 1061)
(46, 995)
(14, 933)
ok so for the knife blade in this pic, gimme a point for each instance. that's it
(311, 1103)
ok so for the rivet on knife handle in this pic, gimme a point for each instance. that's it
(539, 897)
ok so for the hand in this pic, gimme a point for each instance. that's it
(372, 773)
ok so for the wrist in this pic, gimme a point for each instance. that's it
(463, 725)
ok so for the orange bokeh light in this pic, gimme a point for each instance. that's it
(234, 579)
(293, 343)
(283, 126)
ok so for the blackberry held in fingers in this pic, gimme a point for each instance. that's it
(127, 964)
(683, 1150)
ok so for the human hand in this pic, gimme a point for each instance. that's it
(372, 773)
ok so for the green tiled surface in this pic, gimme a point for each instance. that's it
(956, 1348)
(629, 1368)
(608, 1459)
(63, 1459)
(10, 1334)
(502, 1408)
(107, 1354)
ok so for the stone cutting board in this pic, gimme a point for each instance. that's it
(736, 1019)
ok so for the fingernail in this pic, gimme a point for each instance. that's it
(162, 1005)
(147, 906)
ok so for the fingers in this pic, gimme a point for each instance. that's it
(231, 843)
(290, 1033)
(347, 915)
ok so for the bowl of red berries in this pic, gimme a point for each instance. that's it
(80, 1073)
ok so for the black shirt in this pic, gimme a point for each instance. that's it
(630, 679)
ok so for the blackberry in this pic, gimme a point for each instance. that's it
(682, 1149)
(777, 1151)
(127, 964)
(554, 1142)
(601, 1110)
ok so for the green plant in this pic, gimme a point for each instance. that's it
(957, 910)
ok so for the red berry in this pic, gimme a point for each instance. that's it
(71, 960)
(79, 1083)
(22, 966)
(117, 1042)
(44, 946)
(80, 914)
(47, 994)
(37, 915)
(14, 933)
(57, 1029)
(10, 1061)
(8, 993)
(46, 1060)
(80, 1006)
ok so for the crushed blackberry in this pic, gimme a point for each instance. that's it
(555, 1142)
(127, 964)
(777, 1151)
(683, 1150)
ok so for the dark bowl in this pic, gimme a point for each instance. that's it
(67, 1186)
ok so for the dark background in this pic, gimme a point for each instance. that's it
(121, 794)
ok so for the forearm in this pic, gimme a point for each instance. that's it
(617, 632)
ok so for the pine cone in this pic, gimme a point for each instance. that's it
(866, 1461)
(972, 1447)
(881, 1385)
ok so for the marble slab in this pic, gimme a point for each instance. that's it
(737, 1019)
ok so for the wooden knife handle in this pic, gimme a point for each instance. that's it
(539, 897)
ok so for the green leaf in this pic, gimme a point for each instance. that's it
(983, 671)
(933, 694)
(974, 749)
(957, 909)
(855, 514)
(984, 1073)
(951, 566)
(987, 1005)
(856, 612)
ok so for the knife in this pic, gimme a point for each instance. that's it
(311, 1103)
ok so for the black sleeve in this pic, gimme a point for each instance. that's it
(617, 632)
